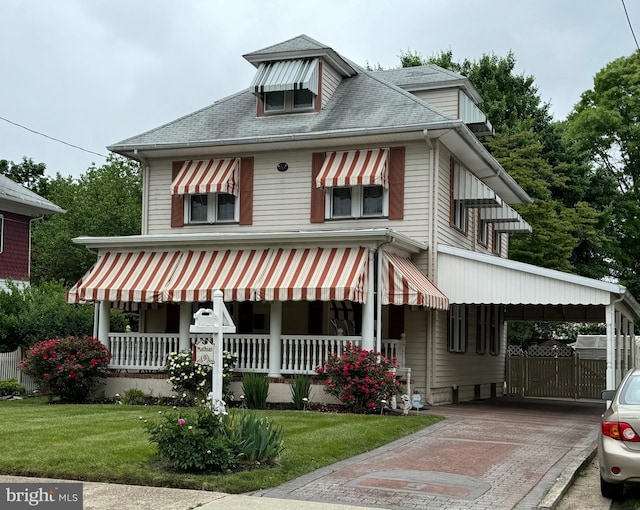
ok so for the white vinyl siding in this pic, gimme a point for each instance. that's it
(330, 81)
(445, 101)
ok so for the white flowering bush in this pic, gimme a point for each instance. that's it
(191, 381)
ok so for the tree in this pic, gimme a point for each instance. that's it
(605, 125)
(105, 201)
(28, 174)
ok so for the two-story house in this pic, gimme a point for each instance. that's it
(18, 206)
(334, 204)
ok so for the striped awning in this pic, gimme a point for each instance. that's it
(315, 274)
(126, 276)
(207, 176)
(404, 284)
(286, 75)
(352, 168)
(234, 272)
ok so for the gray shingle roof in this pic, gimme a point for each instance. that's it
(299, 43)
(12, 192)
(362, 102)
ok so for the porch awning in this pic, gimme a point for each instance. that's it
(286, 75)
(234, 272)
(315, 274)
(475, 193)
(404, 284)
(207, 176)
(126, 276)
(355, 168)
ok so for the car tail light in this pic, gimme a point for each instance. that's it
(619, 430)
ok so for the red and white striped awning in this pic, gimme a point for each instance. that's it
(355, 168)
(234, 272)
(315, 274)
(137, 277)
(208, 176)
(404, 284)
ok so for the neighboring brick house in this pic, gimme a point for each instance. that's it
(18, 206)
(331, 203)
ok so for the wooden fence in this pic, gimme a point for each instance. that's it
(9, 362)
(560, 377)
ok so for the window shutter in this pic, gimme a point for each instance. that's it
(396, 183)
(246, 191)
(317, 194)
(177, 201)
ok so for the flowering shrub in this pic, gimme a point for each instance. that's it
(70, 368)
(206, 438)
(358, 379)
(192, 381)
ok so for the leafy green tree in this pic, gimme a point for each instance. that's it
(28, 174)
(605, 125)
(105, 201)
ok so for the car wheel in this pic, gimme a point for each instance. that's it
(611, 490)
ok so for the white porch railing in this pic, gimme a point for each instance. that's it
(301, 354)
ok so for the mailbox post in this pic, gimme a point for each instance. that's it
(215, 322)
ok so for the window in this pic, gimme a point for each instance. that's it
(458, 207)
(483, 230)
(457, 328)
(496, 242)
(357, 202)
(489, 329)
(1, 233)
(288, 100)
(211, 208)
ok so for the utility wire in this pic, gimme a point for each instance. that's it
(630, 26)
(52, 138)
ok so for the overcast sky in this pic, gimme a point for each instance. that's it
(93, 72)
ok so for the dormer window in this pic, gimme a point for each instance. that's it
(287, 85)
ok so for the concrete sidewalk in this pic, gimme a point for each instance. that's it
(500, 454)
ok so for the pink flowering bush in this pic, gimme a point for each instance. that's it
(69, 368)
(358, 379)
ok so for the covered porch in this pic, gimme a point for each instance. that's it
(293, 304)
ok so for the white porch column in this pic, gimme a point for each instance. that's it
(632, 347)
(103, 323)
(625, 347)
(611, 352)
(275, 341)
(368, 309)
(619, 353)
(185, 321)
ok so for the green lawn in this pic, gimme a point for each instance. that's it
(108, 443)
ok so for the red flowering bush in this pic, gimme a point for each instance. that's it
(69, 368)
(358, 379)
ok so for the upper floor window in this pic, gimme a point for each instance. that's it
(286, 101)
(357, 202)
(458, 205)
(211, 208)
(210, 188)
(356, 183)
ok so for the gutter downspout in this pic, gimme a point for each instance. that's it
(145, 189)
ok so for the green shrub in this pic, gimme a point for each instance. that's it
(11, 387)
(360, 379)
(259, 441)
(300, 390)
(133, 397)
(194, 440)
(256, 390)
(69, 368)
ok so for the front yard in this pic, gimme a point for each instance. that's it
(108, 443)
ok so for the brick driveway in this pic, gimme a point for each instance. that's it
(500, 454)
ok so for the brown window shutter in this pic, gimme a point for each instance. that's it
(396, 183)
(317, 194)
(246, 191)
(177, 201)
